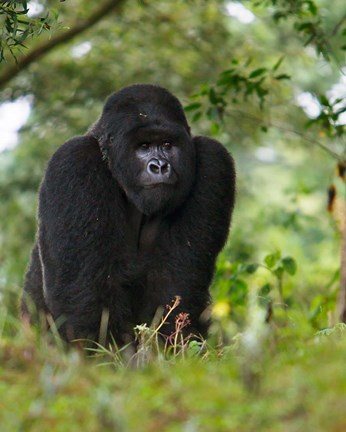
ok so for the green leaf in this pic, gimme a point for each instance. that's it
(226, 78)
(213, 114)
(265, 289)
(289, 265)
(306, 27)
(279, 271)
(282, 77)
(324, 101)
(215, 128)
(194, 348)
(312, 8)
(338, 100)
(257, 72)
(278, 64)
(196, 116)
(271, 259)
(251, 268)
(213, 97)
(204, 89)
(238, 292)
(193, 106)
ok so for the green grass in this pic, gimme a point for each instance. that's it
(267, 378)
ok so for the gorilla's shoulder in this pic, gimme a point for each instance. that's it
(80, 147)
(207, 144)
(78, 154)
(214, 152)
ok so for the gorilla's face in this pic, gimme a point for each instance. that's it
(145, 135)
(157, 152)
(154, 164)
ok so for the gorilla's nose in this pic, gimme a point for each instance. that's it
(158, 167)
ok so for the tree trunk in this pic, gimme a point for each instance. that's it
(341, 305)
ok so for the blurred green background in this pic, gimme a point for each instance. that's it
(283, 176)
(267, 79)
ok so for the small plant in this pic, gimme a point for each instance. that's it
(279, 266)
(154, 344)
(233, 285)
(151, 344)
(112, 354)
(339, 329)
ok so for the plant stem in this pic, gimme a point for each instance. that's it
(280, 288)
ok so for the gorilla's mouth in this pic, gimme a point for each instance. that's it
(156, 185)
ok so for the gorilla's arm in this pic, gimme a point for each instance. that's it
(33, 305)
(80, 237)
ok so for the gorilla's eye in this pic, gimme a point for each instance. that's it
(167, 145)
(144, 146)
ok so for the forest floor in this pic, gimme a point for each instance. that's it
(289, 383)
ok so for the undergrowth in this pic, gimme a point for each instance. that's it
(266, 366)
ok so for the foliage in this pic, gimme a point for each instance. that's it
(275, 356)
(329, 120)
(17, 26)
(151, 344)
(307, 21)
(291, 380)
(236, 83)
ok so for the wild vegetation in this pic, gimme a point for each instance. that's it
(270, 85)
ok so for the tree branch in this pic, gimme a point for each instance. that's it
(338, 25)
(60, 39)
(287, 130)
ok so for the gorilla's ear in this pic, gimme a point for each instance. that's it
(104, 139)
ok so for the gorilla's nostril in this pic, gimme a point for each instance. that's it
(165, 168)
(154, 167)
(158, 166)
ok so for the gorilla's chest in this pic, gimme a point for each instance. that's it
(142, 232)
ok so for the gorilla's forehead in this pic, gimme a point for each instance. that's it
(138, 94)
(157, 127)
(126, 112)
(144, 111)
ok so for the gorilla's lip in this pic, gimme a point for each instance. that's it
(155, 185)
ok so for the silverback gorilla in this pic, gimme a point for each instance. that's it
(131, 215)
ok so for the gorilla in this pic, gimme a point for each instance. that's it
(131, 215)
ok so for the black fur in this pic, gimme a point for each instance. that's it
(106, 242)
